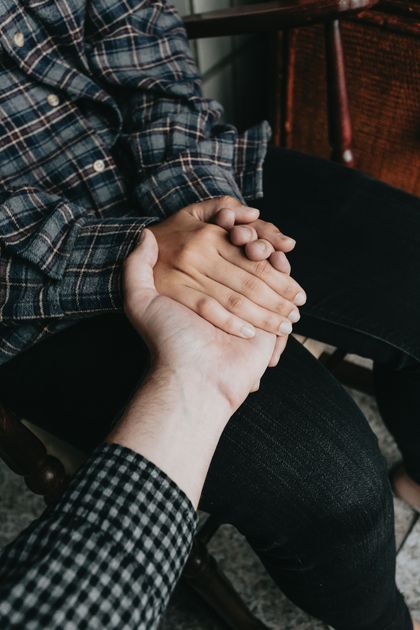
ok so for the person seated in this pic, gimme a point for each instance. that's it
(106, 131)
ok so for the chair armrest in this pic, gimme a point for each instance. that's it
(269, 16)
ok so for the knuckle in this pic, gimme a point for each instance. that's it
(225, 199)
(271, 323)
(284, 307)
(249, 284)
(289, 289)
(203, 306)
(261, 268)
(234, 301)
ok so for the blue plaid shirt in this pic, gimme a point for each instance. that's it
(103, 129)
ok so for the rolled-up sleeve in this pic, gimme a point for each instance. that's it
(56, 260)
(182, 151)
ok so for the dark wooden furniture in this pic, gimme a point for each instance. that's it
(382, 48)
(20, 448)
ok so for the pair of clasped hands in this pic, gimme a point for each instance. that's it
(225, 264)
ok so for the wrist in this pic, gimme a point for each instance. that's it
(175, 420)
(192, 391)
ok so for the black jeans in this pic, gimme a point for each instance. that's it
(297, 470)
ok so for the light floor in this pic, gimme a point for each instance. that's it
(18, 507)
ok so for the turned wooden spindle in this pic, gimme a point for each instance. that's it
(25, 454)
(339, 122)
(289, 63)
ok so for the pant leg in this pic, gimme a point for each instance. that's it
(297, 469)
(358, 257)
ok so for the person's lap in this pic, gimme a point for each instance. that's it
(297, 470)
(357, 253)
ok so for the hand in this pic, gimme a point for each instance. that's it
(260, 239)
(182, 342)
(201, 269)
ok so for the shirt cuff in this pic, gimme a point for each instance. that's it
(229, 165)
(91, 282)
(124, 495)
(174, 186)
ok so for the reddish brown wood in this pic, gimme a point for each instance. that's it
(382, 72)
(203, 575)
(289, 56)
(339, 123)
(269, 16)
(25, 454)
(397, 23)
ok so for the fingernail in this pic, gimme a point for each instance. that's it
(247, 331)
(294, 316)
(262, 247)
(300, 298)
(292, 240)
(285, 328)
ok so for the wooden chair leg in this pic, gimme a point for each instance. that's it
(289, 61)
(283, 52)
(25, 454)
(203, 575)
(339, 122)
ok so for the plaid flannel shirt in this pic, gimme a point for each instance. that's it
(103, 129)
(107, 555)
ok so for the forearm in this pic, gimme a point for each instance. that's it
(175, 420)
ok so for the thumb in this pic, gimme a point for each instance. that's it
(139, 284)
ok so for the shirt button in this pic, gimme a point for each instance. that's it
(19, 39)
(53, 100)
(98, 166)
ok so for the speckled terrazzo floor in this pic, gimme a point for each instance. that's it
(18, 507)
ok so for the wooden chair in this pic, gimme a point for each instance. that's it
(36, 455)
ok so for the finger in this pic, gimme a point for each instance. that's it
(212, 311)
(258, 292)
(280, 283)
(255, 387)
(242, 234)
(280, 262)
(208, 209)
(229, 214)
(278, 350)
(274, 236)
(258, 250)
(248, 310)
(139, 283)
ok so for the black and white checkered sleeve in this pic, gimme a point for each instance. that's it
(107, 555)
